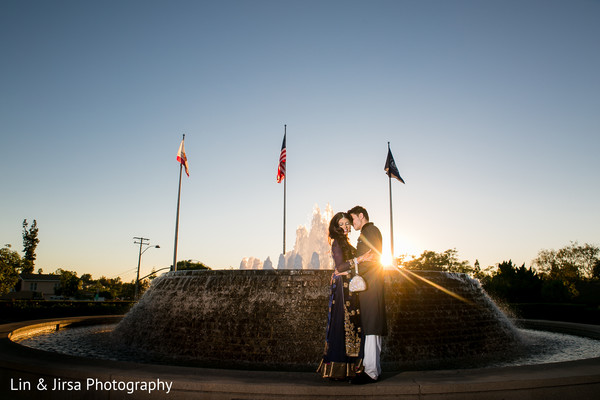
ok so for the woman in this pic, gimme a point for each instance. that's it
(342, 358)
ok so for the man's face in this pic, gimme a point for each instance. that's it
(357, 221)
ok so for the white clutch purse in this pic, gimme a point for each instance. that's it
(357, 283)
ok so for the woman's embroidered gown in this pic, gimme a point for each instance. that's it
(343, 353)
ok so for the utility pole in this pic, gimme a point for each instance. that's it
(142, 242)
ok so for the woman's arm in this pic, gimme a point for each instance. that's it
(338, 258)
(341, 265)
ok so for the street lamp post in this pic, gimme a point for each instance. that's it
(142, 242)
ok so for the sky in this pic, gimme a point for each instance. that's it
(491, 109)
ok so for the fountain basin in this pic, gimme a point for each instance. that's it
(567, 380)
(289, 311)
(277, 319)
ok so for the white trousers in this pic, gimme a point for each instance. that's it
(372, 352)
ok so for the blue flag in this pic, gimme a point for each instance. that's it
(390, 167)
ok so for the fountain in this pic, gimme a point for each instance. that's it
(276, 319)
(271, 325)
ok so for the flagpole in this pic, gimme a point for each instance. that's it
(174, 266)
(391, 218)
(284, 188)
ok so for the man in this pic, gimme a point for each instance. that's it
(372, 301)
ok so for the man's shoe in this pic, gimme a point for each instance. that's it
(362, 379)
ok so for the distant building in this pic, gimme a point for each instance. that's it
(35, 286)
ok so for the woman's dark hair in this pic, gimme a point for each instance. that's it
(337, 233)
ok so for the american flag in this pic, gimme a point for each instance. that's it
(282, 158)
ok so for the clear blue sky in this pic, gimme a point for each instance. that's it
(492, 109)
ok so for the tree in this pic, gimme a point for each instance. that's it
(10, 262)
(596, 272)
(128, 290)
(446, 261)
(109, 288)
(190, 265)
(87, 281)
(515, 285)
(569, 264)
(478, 273)
(30, 242)
(89, 285)
(70, 283)
(152, 275)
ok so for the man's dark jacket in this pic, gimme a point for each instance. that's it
(372, 300)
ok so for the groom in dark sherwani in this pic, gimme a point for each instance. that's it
(372, 300)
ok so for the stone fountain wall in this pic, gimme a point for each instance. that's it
(277, 319)
(429, 327)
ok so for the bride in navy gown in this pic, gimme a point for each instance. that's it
(342, 358)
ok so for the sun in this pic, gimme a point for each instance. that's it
(388, 262)
(386, 258)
